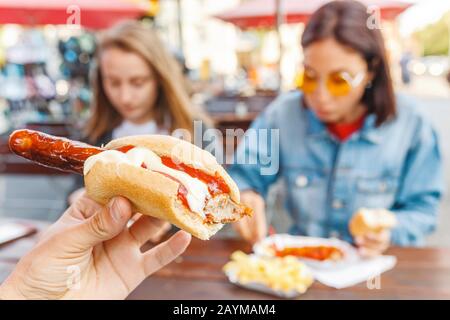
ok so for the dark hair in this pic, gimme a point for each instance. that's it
(347, 22)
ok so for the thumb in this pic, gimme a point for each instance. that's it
(105, 224)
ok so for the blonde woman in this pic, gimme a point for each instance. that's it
(138, 88)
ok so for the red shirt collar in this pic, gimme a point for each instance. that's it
(343, 131)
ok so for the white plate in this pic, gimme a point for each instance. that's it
(264, 248)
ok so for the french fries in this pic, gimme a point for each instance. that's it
(280, 274)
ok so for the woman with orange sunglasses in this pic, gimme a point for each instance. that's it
(346, 142)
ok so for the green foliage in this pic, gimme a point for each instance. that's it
(434, 38)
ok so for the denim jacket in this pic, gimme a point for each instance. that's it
(396, 166)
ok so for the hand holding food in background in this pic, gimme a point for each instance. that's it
(254, 228)
(371, 230)
(162, 176)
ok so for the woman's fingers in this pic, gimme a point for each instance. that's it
(375, 239)
(369, 253)
(372, 250)
(243, 227)
(254, 228)
(251, 229)
(162, 254)
(382, 236)
(373, 244)
(260, 223)
(147, 228)
(246, 228)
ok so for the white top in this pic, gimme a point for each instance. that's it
(127, 128)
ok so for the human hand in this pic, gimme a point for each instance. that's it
(254, 228)
(90, 253)
(371, 229)
(72, 198)
(373, 244)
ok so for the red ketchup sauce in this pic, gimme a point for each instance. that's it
(216, 184)
(319, 253)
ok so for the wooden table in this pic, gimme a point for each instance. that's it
(421, 273)
(11, 252)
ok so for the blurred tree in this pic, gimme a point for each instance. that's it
(434, 38)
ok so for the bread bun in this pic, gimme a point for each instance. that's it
(371, 221)
(155, 194)
(182, 151)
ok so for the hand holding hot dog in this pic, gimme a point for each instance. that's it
(89, 253)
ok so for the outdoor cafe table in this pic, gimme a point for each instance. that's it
(420, 273)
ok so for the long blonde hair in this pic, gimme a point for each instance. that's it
(173, 100)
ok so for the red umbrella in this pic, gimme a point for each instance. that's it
(262, 13)
(95, 14)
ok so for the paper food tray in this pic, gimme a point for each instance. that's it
(264, 248)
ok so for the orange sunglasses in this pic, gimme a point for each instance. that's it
(338, 83)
